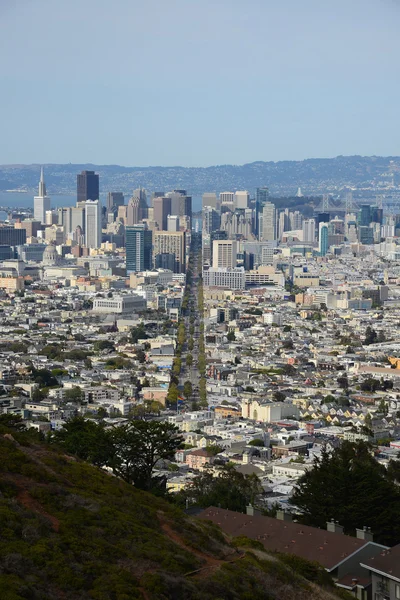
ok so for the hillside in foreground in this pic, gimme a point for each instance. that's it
(70, 531)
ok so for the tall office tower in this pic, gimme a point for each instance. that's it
(365, 235)
(51, 217)
(241, 200)
(140, 195)
(161, 210)
(132, 212)
(93, 223)
(224, 254)
(64, 218)
(173, 244)
(283, 223)
(269, 225)
(41, 202)
(115, 199)
(156, 195)
(226, 199)
(211, 219)
(323, 232)
(262, 196)
(365, 215)
(181, 203)
(173, 223)
(139, 248)
(87, 186)
(309, 230)
(77, 218)
(322, 218)
(296, 220)
(377, 214)
(210, 199)
(9, 236)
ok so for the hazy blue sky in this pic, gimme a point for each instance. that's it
(197, 82)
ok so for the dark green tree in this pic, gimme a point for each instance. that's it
(187, 389)
(231, 490)
(86, 439)
(368, 496)
(279, 396)
(138, 447)
(371, 336)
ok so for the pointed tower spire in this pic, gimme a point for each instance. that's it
(42, 185)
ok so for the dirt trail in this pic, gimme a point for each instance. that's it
(211, 562)
(31, 504)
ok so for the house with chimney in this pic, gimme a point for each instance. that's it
(346, 558)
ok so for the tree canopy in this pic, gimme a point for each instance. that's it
(130, 451)
(231, 490)
(350, 486)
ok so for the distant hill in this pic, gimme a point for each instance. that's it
(314, 176)
(69, 531)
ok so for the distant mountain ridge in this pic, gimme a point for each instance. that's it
(314, 176)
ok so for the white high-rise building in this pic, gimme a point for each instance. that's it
(309, 230)
(268, 222)
(93, 223)
(173, 223)
(224, 254)
(41, 202)
(242, 199)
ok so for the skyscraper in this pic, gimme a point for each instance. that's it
(93, 223)
(323, 238)
(365, 215)
(161, 210)
(224, 254)
(172, 243)
(173, 223)
(87, 186)
(268, 233)
(309, 230)
(114, 199)
(139, 247)
(132, 212)
(262, 196)
(242, 199)
(141, 197)
(210, 199)
(211, 219)
(41, 202)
